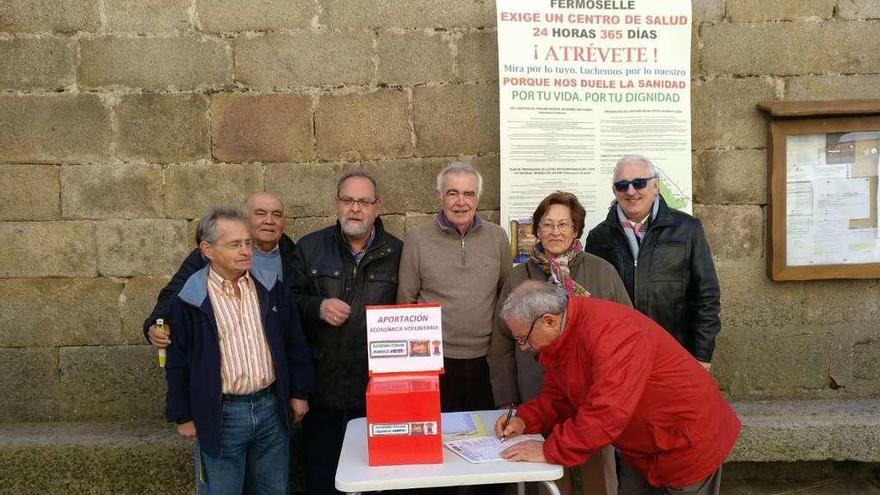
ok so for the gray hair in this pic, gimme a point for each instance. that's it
(532, 299)
(459, 168)
(207, 228)
(635, 158)
(357, 173)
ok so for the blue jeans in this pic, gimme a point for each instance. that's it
(254, 450)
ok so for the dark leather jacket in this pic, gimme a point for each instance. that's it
(674, 282)
(195, 262)
(325, 268)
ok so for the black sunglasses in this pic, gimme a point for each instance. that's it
(640, 183)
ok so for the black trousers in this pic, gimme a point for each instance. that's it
(465, 385)
(323, 432)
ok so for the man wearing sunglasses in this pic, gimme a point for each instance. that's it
(337, 271)
(662, 256)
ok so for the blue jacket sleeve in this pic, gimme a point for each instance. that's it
(177, 403)
(299, 356)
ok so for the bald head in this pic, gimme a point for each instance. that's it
(265, 214)
(263, 199)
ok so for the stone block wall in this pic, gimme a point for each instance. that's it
(122, 121)
(816, 339)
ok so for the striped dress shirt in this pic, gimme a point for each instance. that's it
(245, 358)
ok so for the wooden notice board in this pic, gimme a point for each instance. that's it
(822, 189)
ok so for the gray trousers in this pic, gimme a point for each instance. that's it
(632, 483)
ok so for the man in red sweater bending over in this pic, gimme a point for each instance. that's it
(613, 376)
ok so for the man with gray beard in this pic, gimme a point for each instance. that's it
(337, 271)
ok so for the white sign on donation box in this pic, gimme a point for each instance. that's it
(406, 337)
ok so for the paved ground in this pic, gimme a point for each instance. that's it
(824, 487)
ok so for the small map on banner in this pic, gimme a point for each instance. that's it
(406, 337)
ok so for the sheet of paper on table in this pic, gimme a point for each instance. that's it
(487, 448)
(459, 423)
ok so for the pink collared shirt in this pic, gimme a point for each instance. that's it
(245, 358)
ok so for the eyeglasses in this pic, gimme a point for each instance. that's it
(237, 244)
(521, 341)
(640, 183)
(348, 202)
(548, 227)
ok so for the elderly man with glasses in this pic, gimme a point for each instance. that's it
(338, 271)
(662, 256)
(614, 377)
(272, 251)
(239, 370)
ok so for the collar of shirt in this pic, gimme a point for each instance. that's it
(269, 254)
(359, 255)
(445, 224)
(226, 286)
(640, 226)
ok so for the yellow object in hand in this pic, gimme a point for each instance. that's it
(160, 326)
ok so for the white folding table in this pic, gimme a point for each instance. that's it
(355, 475)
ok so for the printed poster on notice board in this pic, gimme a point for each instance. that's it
(406, 337)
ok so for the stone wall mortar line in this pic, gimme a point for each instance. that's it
(410, 110)
(192, 15)
(315, 21)
(102, 16)
(374, 58)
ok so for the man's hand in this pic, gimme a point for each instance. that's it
(299, 407)
(187, 429)
(334, 311)
(529, 451)
(160, 340)
(515, 427)
(706, 366)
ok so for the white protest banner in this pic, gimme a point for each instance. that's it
(582, 83)
(406, 337)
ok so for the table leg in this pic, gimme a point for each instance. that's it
(521, 488)
(551, 487)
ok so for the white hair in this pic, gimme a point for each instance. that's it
(533, 298)
(456, 168)
(635, 158)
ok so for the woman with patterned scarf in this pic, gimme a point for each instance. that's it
(558, 258)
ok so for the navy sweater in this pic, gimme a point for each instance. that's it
(193, 367)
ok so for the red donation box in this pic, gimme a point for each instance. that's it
(405, 354)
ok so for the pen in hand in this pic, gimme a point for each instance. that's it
(506, 422)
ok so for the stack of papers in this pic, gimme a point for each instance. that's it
(487, 448)
(459, 423)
